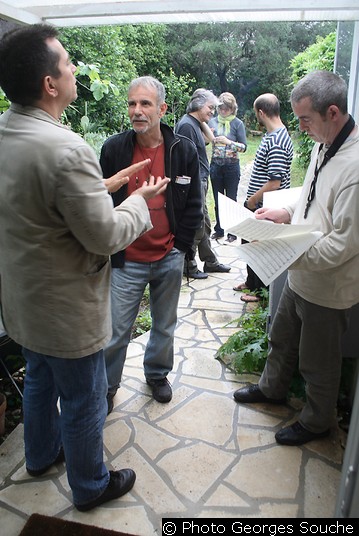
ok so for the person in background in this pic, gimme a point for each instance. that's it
(323, 284)
(199, 111)
(57, 230)
(230, 140)
(156, 258)
(271, 171)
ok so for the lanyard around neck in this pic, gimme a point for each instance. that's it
(335, 146)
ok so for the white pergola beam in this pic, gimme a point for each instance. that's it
(88, 13)
(14, 14)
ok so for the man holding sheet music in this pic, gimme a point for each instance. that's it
(323, 283)
(271, 171)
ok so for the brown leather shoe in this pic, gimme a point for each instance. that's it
(252, 394)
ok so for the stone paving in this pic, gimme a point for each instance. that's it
(201, 455)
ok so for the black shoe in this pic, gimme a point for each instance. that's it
(252, 394)
(223, 268)
(120, 483)
(197, 274)
(216, 236)
(296, 434)
(161, 390)
(38, 472)
(110, 397)
(231, 238)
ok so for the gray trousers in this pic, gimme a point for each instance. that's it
(202, 240)
(310, 335)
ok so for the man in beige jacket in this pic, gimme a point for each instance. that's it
(58, 227)
(323, 284)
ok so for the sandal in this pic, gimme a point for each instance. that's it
(240, 287)
(250, 298)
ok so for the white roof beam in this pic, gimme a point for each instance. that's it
(13, 14)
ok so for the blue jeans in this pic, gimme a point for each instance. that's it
(81, 386)
(225, 180)
(164, 278)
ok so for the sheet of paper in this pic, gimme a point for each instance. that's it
(281, 198)
(231, 212)
(269, 258)
(252, 229)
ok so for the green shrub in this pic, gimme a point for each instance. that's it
(247, 348)
(245, 352)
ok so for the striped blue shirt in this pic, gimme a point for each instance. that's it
(272, 161)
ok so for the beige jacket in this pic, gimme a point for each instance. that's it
(57, 230)
(328, 273)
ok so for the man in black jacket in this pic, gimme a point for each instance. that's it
(157, 257)
(200, 109)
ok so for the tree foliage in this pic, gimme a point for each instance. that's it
(245, 58)
(122, 53)
(319, 56)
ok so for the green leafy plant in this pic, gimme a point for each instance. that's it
(4, 103)
(247, 348)
(143, 320)
(319, 55)
(245, 352)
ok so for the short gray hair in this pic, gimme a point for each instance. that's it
(199, 98)
(324, 88)
(150, 81)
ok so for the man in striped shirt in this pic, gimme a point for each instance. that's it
(271, 171)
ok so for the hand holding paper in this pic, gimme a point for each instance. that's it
(272, 247)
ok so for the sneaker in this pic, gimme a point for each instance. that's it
(38, 472)
(197, 274)
(120, 483)
(161, 390)
(222, 268)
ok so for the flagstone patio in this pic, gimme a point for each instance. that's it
(201, 455)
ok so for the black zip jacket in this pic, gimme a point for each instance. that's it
(183, 201)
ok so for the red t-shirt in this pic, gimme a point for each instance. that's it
(156, 243)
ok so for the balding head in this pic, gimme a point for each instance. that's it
(268, 103)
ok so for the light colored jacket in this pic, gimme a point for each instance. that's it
(328, 273)
(58, 227)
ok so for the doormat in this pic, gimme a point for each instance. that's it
(40, 525)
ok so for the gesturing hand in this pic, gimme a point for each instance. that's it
(152, 187)
(122, 177)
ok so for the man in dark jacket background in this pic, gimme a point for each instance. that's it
(199, 111)
(155, 259)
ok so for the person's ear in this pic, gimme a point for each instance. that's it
(333, 112)
(49, 87)
(163, 109)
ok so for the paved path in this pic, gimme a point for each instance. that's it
(202, 455)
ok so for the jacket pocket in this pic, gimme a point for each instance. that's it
(180, 194)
